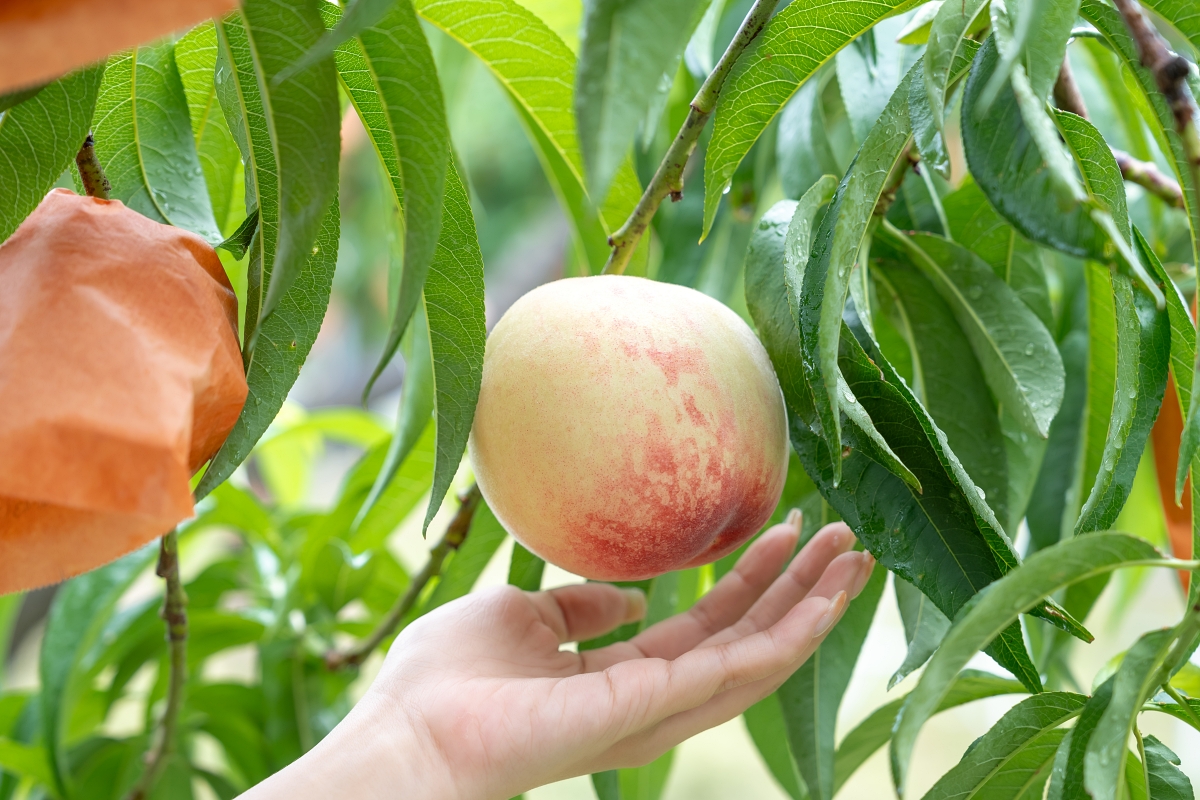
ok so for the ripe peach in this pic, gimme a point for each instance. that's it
(627, 427)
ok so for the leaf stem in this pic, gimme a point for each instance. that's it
(174, 613)
(95, 182)
(668, 178)
(452, 539)
(1182, 702)
(1137, 734)
(1143, 173)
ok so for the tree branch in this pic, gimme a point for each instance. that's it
(1170, 73)
(452, 539)
(174, 613)
(668, 178)
(1143, 173)
(95, 183)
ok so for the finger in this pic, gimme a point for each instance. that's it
(742, 588)
(725, 705)
(731, 596)
(587, 610)
(643, 692)
(725, 602)
(802, 578)
(844, 574)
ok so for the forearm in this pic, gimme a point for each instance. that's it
(373, 753)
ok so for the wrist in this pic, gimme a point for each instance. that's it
(375, 752)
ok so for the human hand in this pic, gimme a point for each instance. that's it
(477, 700)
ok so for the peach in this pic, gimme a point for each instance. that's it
(626, 427)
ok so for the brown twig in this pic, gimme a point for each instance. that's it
(908, 158)
(1170, 73)
(452, 539)
(174, 613)
(95, 183)
(1143, 173)
(668, 178)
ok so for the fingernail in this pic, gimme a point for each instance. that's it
(831, 615)
(795, 518)
(864, 572)
(635, 604)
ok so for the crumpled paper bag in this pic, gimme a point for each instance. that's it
(120, 375)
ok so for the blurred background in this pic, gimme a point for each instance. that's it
(526, 240)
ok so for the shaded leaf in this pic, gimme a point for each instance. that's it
(457, 330)
(525, 569)
(626, 51)
(39, 139)
(810, 698)
(196, 58)
(1013, 759)
(1135, 681)
(1167, 781)
(1044, 573)
(876, 730)
(947, 34)
(76, 618)
(794, 44)
(946, 374)
(1019, 358)
(285, 340)
(389, 74)
(768, 730)
(924, 628)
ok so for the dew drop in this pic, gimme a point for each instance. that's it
(849, 397)
(1028, 349)
(975, 292)
(982, 494)
(316, 249)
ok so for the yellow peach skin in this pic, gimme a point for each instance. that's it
(626, 427)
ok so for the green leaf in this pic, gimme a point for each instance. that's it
(802, 148)
(836, 247)
(627, 49)
(946, 374)
(389, 74)
(1014, 757)
(774, 263)
(39, 139)
(810, 698)
(876, 730)
(1134, 683)
(1019, 358)
(768, 730)
(1142, 360)
(1051, 513)
(1017, 261)
(12, 99)
(1032, 39)
(1167, 781)
(457, 331)
(76, 618)
(285, 340)
(293, 129)
(796, 42)
(868, 71)
(951, 546)
(1006, 162)
(416, 409)
(525, 569)
(646, 782)
(144, 141)
(1066, 779)
(1160, 117)
(1044, 573)
(238, 243)
(947, 35)
(196, 57)
(10, 605)
(534, 66)
(27, 761)
(924, 628)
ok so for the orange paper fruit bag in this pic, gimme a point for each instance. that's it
(120, 375)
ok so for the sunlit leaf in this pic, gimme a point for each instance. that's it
(39, 139)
